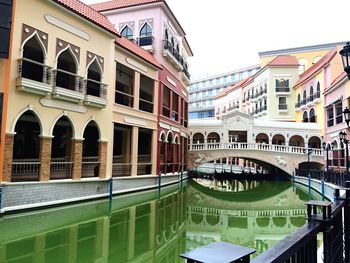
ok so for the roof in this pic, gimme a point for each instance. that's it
(88, 13)
(284, 60)
(138, 51)
(316, 67)
(239, 84)
(336, 81)
(118, 4)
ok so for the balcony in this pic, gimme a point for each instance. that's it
(68, 86)
(95, 94)
(173, 55)
(33, 77)
(146, 42)
(280, 90)
(186, 77)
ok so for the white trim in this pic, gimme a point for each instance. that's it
(72, 53)
(135, 121)
(160, 136)
(37, 115)
(91, 119)
(40, 42)
(99, 65)
(71, 29)
(136, 64)
(172, 82)
(64, 113)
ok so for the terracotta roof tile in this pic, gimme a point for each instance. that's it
(316, 67)
(239, 84)
(138, 51)
(117, 4)
(284, 60)
(336, 81)
(88, 13)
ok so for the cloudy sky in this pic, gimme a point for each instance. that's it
(228, 34)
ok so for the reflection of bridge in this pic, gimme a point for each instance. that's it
(283, 145)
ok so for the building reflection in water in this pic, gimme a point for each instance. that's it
(142, 228)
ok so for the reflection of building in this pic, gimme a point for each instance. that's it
(257, 223)
(153, 231)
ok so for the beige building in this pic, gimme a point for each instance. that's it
(71, 113)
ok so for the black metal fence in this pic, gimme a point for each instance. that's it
(333, 177)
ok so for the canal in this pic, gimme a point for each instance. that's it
(146, 227)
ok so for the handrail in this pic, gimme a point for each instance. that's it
(35, 62)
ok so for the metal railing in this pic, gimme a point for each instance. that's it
(333, 177)
(34, 70)
(282, 106)
(282, 89)
(68, 80)
(145, 41)
(61, 168)
(25, 170)
(90, 167)
(95, 88)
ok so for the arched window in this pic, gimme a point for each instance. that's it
(318, 90)
(304, 96)
(311, 93)
(145, 36)
(312, 115)
(298, 97)
(93, 86)
(65, 65)
(172, 42)
(146, 30)
(33, 54)
(127, 33)
(166, 35)
(305, 118)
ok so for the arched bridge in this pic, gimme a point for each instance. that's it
(284, 145)
(287, 158)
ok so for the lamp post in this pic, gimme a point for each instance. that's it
(346, 113)
(342, 136)
(325, 148)
(345, 55)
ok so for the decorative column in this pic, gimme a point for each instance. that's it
(154, 151)
(102, 158)
(134, 150)
(136, 90)
(77, 158)
(165, 157)
(8, 154)
(45, 157)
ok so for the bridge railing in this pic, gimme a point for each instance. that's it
(333, 177)
(255, 146)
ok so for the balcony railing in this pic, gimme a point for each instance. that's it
(177, 58)
(147, 42)
(95, 93)
(282, 89)
(90, 167)
(25, 170)
(60, 168)
(68, 86)
(312, 98)
(34, 77)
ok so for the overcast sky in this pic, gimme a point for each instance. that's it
(228, 34)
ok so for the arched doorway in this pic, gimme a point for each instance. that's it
(94, 86)
(90, 156)
(61, 151)
(213, 139)
(262, 138)
(170, 155)
(296, 140)
(163, 159)
(278, 139)
(314, 142)
(312, 115)
(26, 147)
(198, 138)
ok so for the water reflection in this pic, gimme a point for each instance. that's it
(228, 185)
(143, 228)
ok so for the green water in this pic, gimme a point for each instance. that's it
(145, 228)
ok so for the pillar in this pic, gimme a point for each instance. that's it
(136, 90)
(77, 158)
(134, 150)
(154, 151)
(8, 154)
(165, 157)
(102, 155)
(45, 157)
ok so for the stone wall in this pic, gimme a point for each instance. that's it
(30, 195)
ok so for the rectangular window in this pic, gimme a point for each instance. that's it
(166, 102)
(175, 112)
(124, 90)
(339, 113)
(146, 94)
(330, 117)
(282, 103)
(185, 112)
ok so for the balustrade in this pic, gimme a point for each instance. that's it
(90, 166)
(25, 170)
(61, 168)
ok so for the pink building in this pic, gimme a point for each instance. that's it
(152, 25)
(335, 101)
